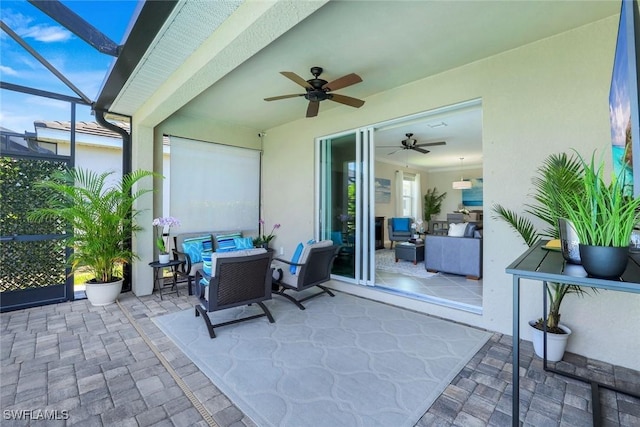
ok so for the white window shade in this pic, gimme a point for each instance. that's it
(214, 187)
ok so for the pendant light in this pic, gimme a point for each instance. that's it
(462, 184)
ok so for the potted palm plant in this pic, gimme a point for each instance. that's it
(559, 175)
(432, 203)
(603, 216)
(101, 221)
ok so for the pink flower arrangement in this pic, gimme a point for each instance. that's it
(160, 225)
(266, 238)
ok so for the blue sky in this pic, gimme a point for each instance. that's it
(83, 65)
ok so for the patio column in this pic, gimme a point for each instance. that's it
(142, 158)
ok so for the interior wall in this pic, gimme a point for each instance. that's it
(543, 98)
(442, 181)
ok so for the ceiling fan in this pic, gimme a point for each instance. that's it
(319, 90)
(411, 143)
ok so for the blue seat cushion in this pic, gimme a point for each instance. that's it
(401, 224)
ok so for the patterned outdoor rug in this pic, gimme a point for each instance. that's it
(386, 261)
(344, 361)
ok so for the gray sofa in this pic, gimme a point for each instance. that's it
(455, 255)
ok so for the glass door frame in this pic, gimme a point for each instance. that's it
(364, 247)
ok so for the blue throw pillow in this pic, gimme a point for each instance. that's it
(470, 230)
(295, 258)
(243, 243)
(226, 242)
(206, 262)
(195, 246)
(401, 224)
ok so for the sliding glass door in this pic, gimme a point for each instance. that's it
(345, 198)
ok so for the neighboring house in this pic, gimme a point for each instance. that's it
(97, 148)
(540, 93)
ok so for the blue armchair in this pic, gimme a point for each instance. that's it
(399, 229)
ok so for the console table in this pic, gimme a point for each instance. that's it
(549, 266)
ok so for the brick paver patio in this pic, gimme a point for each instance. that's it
(91, 366)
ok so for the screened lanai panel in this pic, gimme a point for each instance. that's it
(214, 186)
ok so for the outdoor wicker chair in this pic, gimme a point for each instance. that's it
(238, 278)
(313, 269)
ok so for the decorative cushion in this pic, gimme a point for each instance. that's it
(313, 244)
(206, 262)
(195, 246)
(457, 230)
(470, 230)
(401, 224)
(230, 254)
(295, 258)
(243, 242)
(226, 242)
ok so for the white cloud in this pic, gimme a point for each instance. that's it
(47, 34)
(8, 71)
(25, 27)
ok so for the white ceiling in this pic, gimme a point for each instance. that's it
(389, 44)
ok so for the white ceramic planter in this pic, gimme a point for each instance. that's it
(163, 258)
(100, 294)
(556, 343)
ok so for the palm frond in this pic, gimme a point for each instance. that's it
(521, 225)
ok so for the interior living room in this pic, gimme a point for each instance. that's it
(450, 150)
(244, 93)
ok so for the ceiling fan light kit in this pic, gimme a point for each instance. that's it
(318, 90)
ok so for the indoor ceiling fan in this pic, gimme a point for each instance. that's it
(410, 143)
(319, 90)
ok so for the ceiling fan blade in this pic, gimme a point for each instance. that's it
(346, 100)
(431, 144)
(420, 150)
(296, 79)
(312, 109)
(394, 152)
(387, 146)
(344, 81)
(275, 98)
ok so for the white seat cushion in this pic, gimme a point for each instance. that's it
(291, 279)
(244, 252)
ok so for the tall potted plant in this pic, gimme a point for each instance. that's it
(559, 175)
(603, 217)
(101, 220)
(432, 203)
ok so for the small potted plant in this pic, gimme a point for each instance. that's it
(101, 221)
(162, 228)
(559, 175)
(603, 216)
(263, 240)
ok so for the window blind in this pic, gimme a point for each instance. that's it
(213, 186)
